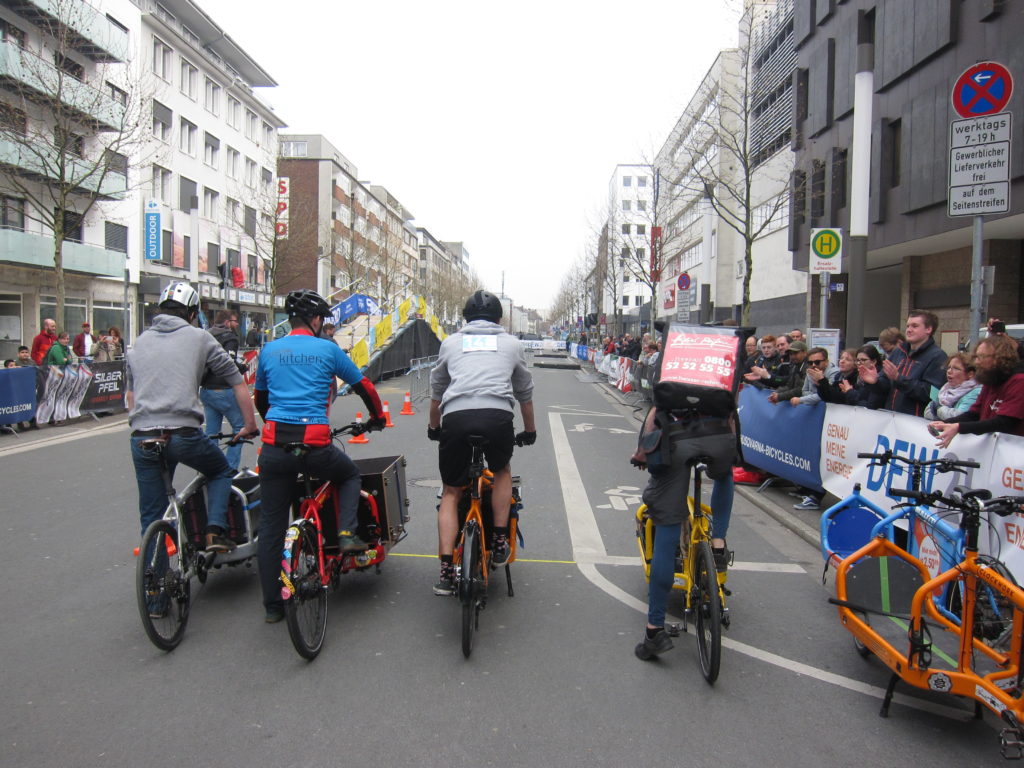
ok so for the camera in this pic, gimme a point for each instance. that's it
(997, 326)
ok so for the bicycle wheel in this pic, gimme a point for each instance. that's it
(469, 586)
(162, 585)
(707, 605)
(993, 612)
(306, 608)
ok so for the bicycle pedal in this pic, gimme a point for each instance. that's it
(672, 628)
(726, 620)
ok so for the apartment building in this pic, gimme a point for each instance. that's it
(210, 168)
(620, 286)
(906, 56)
(64, 114)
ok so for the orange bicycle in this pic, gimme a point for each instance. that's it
(471, 557)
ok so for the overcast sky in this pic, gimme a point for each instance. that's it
(497, 125)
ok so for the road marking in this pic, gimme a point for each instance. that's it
(78, 434)
(589, 551)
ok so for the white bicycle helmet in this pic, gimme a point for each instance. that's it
(180, 293)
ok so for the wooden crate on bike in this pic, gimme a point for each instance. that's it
(384, 479)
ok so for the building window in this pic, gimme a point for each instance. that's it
(641, 181)
(68, 143)
(626, 205)
(268, 135)
(187, 137)
(115, 237)
(641, 254)
(211, 150)
(116, 162)
(625, 277)
(627, 181)
(162, 117)
(625, 301)
(638, 300)
(250, 172)
(12, 213)
(12, 119)
(293, 149)
(211, 96)
(234, 159)
(211, 203)
(212, 257)
(268, 178)
(234, 112)
(72, 225)
(253, 271)
(162, 58)
(817, 189)
(625, 229)
(234, 258)
(895, 140)
(249, 224)
(641, 205)
(189, 79)
(252, 123)
(161, 183)
(187, 197)
(11, 33)
(121, 97)
(69, 66)
(233, 211)
(641, 229)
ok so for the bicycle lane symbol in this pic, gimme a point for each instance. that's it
(621, 498)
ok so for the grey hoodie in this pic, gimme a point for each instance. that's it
(481, 366)
(165, 368)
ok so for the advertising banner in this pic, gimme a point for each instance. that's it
(383, 332)
(781, 438)
(403, 311)
(106, 388)
(17, 394)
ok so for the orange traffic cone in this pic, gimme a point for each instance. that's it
(407, 407)
(387, 415)
(361, 438)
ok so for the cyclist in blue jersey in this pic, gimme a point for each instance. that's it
(294, 389)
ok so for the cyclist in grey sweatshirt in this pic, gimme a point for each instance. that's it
(480, 375)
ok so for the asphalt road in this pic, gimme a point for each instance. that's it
(552, 679)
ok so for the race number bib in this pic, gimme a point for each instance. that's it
(479, 343)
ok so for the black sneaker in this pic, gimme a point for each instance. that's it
(349, 542)
(723, 558)
(216, 542)
(274, 614)
(500, 552)
(653, 646)
(446, 584)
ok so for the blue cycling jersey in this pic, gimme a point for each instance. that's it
(298, 372)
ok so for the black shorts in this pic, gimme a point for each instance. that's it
(455, 453)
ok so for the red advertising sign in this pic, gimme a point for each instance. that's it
(702, 359)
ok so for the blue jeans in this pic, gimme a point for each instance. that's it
(221, 404)
(721, 505)
(194, 450)
(663, 570)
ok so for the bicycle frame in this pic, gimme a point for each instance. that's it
(474, 517)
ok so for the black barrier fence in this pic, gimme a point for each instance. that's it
(415, 339)
(64, 392)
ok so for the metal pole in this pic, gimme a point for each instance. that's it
(823, 280)
(976, 280)
(124, 312)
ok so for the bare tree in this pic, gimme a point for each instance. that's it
(68, 127)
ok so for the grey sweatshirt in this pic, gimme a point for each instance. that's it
(165, 368)
(481, 366)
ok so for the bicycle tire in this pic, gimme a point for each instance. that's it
(708, 609)
(162, 586)
(306, 609)
(469, 586)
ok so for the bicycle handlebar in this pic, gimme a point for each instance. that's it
(229, 438)
(942, 465)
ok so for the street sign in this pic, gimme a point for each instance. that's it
(685, 298)
(979, 165)
(983, 89)
(826, 251)
(683, 283)
(152, 230)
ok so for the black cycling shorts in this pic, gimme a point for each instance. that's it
(455, 453)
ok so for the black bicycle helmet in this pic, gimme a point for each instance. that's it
(306, 304)
(482, 306)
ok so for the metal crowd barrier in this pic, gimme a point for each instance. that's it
(421, 367)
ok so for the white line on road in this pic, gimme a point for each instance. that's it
(66, 437)
(589, 552)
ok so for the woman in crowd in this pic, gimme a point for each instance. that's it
(105, 350)
(958, 393)
(833, 392)
(872, 385)
(115, 334)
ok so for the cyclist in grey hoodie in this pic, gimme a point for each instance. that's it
(480, 375)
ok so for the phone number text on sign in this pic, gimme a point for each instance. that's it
(707, 361)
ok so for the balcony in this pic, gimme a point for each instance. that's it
(40, 81)
(90, 32)
(41, 163)
(34, 250)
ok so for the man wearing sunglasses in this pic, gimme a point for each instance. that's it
(818, 368)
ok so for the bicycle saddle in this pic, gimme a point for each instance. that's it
(476, 440)
(154, 443)
(982, 494)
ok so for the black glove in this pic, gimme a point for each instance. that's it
(526, 438)
(434, 433)
(376, 424)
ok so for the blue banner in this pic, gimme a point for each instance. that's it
(151, 229)
(356, 304)
(782, 439)
(17, 394)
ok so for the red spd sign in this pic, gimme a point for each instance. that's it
(703, 359)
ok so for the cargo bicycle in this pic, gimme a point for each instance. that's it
(703, 587)
(173, 548)
(922, 646)
(312, 563)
